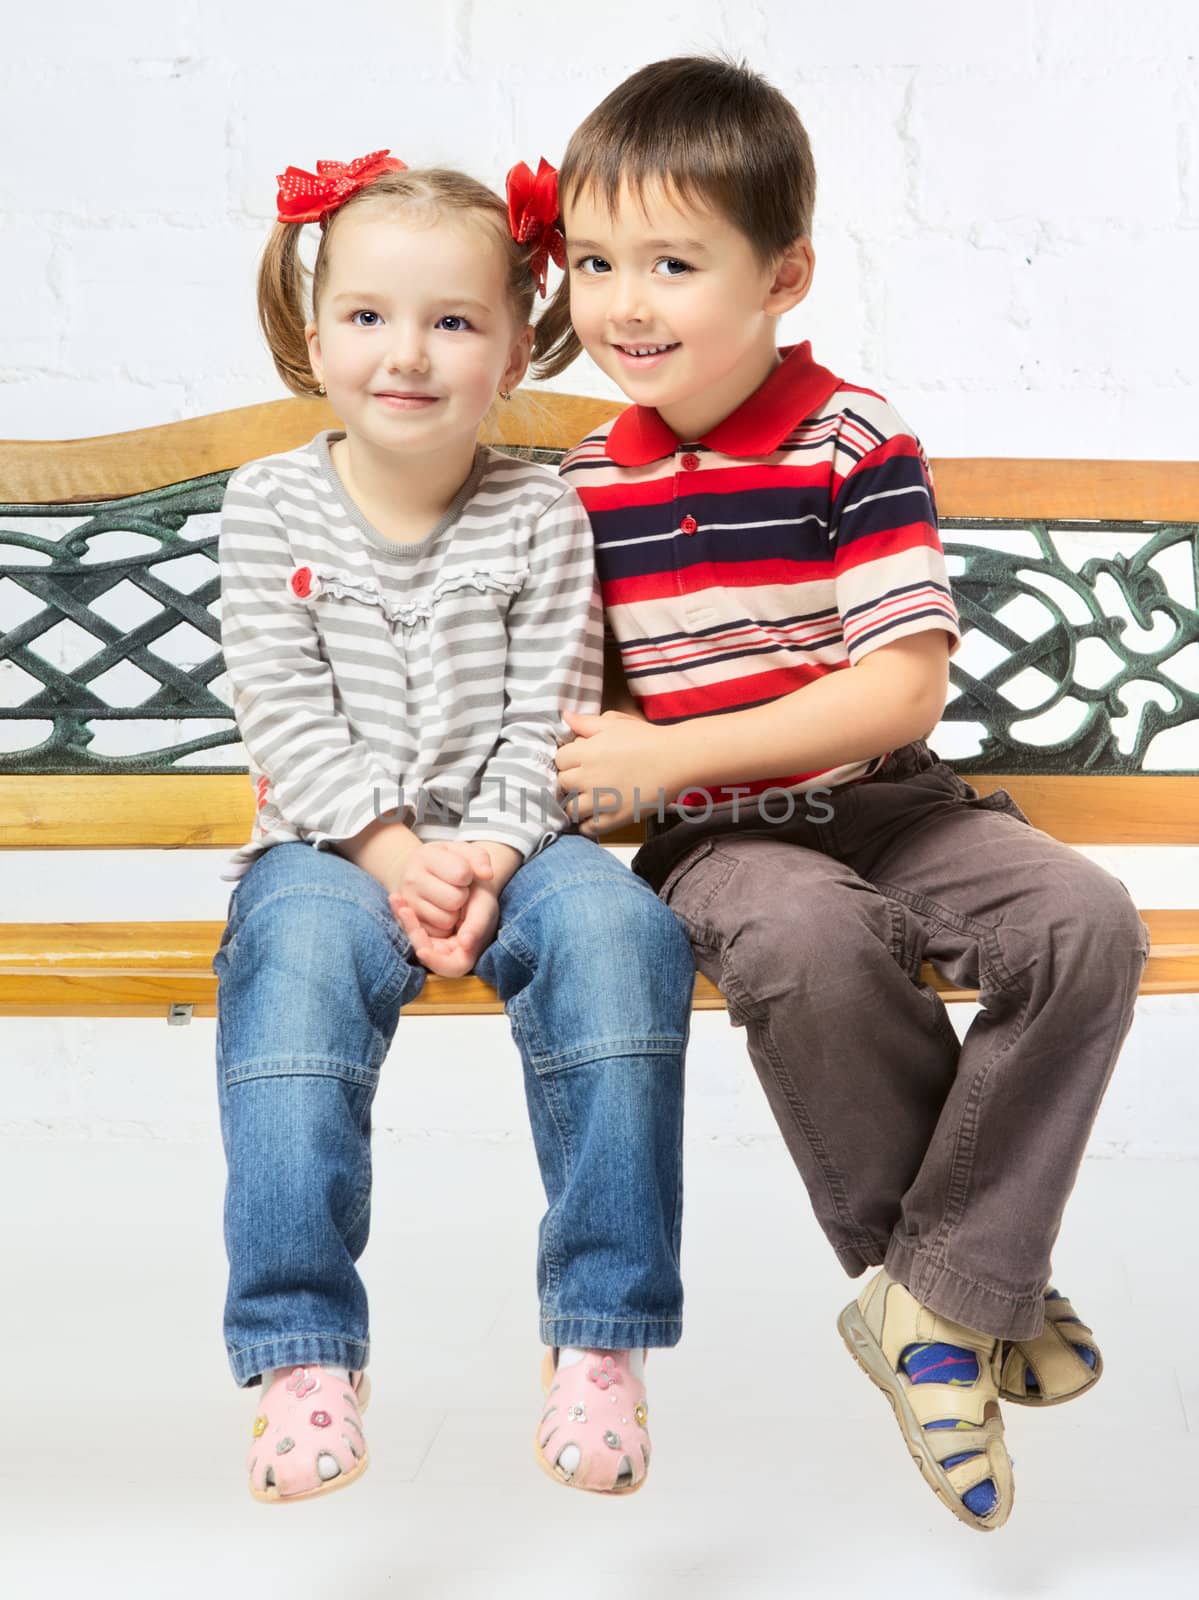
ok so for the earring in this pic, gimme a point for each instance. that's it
(505, 394)
(320, 388)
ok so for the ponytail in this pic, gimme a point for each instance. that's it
(555, 342)
(282, 308)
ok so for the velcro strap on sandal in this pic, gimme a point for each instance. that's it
(935, 1402)
(968, 1475)
(1052, 1357)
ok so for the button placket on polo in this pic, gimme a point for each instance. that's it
(688, 462)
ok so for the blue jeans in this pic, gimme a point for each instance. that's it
(596, 976)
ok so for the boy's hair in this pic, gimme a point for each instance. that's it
(710, 129)
(282, 290)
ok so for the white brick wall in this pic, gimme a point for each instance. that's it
(1007, 225)
(1007, 234)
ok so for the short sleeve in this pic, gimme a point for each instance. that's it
(888, 562)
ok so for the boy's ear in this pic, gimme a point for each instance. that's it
(314, 351)
(792, 277)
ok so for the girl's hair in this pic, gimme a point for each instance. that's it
(282, 276)
(710, 129)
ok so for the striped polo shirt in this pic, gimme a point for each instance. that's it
(794, 538)
(429, 677)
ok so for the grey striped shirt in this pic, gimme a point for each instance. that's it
(369, 674)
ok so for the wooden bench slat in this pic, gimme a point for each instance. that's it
(61, 471)
(142, 968)
(40, 472)
(198, 810)
(1110, 491)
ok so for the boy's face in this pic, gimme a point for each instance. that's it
(669, 299)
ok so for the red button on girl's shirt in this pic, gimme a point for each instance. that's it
(688, 524)
(689, 462)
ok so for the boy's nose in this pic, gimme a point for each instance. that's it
(627, 304)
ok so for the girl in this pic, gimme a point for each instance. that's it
(406, 616)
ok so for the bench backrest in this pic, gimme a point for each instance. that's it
(1077, 582)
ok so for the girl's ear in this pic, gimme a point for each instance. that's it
(314, 351)
(792, 277)
(518, 359)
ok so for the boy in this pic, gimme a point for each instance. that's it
(776, 589)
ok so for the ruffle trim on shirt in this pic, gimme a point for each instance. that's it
(310, 584)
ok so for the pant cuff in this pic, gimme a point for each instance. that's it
(980, 1306)
(612, 1333)
(297, 1350)
(856, 1259)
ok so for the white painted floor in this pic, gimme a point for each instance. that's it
(763, 1484)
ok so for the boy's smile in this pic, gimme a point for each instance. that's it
(641, 358)
(670, 299)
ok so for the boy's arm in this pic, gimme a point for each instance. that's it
(899, 625)
(894, 695)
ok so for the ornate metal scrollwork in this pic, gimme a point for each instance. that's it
(60, 583)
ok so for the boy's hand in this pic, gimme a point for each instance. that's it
(617, 764)
(455, 954)
(437, 880)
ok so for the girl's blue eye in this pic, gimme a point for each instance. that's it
(461, 323)
(601, 265)
(374, 314)
(671, 262)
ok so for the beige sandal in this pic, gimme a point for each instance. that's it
(1051, 1368)
(953, 1431)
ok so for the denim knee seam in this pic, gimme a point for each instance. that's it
(592, 1051)
(300, 1067)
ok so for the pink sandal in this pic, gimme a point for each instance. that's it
(308, 1437)
(598, 1406)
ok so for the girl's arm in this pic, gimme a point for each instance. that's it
(555, 664)
(321, 780)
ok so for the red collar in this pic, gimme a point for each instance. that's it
(795, 389)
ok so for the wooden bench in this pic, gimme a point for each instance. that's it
(1008, 527)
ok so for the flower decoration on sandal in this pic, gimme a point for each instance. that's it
(533, 216)
(606, 1374)
(314, 196)
(302, 1383)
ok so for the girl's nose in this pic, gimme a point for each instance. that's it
(407, 353)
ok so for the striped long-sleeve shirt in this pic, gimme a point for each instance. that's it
(429, 678)
(790, 541)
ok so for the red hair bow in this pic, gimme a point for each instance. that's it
(310, 197)
(533, 216)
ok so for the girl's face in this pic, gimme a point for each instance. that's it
(415, 334)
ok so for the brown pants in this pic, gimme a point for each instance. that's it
(949, 1163)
